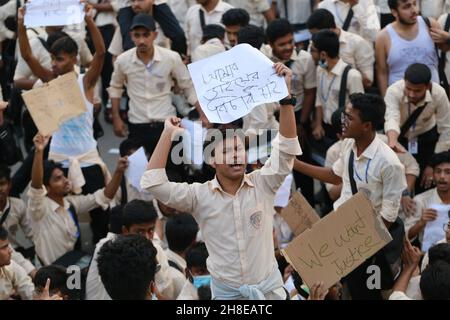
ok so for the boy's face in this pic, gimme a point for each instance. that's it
(58, 184)
(415, 92)
(5, 253)
(283, 47)
(352, 125)
(5, 188)
(406, 12)
(441, 175)
(63, 63)
(232, 34)
(143, 39)
(230, 159)
(146, 230)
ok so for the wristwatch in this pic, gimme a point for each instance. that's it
(292, 101)
(406, 193)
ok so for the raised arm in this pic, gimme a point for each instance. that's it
(37, 173)
(95, 67)
(113, 185)
(38, 70)
(162, 150)
(320, 173)
(288, 128)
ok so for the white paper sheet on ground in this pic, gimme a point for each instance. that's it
(193, 139)
(137, 164)
(282, 195)
(41, 13)
(230, 84)
(434, 230)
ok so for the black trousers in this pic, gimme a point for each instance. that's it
(95, 180)
(107, 34)
(166, 19)
(426, 143)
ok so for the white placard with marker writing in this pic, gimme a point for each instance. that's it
(230, 84)
(41, 13)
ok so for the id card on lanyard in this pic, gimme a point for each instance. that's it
(413, 146)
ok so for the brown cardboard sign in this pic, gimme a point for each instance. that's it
(55, 102)
(298, 214)
(338, 243)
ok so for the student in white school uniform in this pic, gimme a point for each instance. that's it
(331, 77)
(13, 278)
(440, 195)
(54, 212)
(353, 49)
(246, 246)
(135, 218)
(367, 163)
(212, 42)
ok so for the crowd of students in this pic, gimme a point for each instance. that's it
(367, 110)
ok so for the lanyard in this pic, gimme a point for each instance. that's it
(367, 171)
(325, 98)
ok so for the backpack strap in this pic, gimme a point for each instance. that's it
(350, 173)
(348, 20)
(175, 265)
(5, 215)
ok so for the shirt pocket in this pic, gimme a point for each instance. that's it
(254, 221)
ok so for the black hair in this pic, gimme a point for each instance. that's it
(236, 16)
(138, 211)
(49, 167)
(196, 256)
(3, 233)
(418, 73)
(58, 280)
(371, 108)
(321, 19)
(129, 144)
(336, 121)
(221, 133)
(127, 266)
(440, 251)
(211, 31)
(327, 41)
(393, 4)
(252, 35)
(64, 45)
(181, 231)
(5, 172)
(116, 219)
(440, 158)
(52, 37)
(278, 29)
(435, 281)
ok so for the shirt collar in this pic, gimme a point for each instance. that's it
(215, 185)
(156, 55)
(370, 151)
(54, 206)
(338, 69)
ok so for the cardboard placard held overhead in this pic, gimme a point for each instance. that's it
(57, 101)
(298, 214)
(338, 243)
